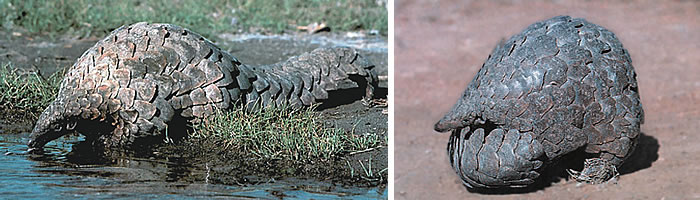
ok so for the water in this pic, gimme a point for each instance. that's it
(365, 43)
(58, 175)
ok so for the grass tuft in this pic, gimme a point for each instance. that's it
(282, 133)
(26, 93)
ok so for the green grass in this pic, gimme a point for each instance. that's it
(344, 15)
(282, 133)
(368, 172)
(97, 18)
(26, 93)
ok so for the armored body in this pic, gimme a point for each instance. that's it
(140, 78)
(559, 85)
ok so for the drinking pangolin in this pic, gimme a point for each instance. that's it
(560, 85)
(132, 84)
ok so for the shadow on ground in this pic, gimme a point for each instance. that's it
(646, 153)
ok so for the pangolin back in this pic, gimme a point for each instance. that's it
(138, 78)
(559, 85)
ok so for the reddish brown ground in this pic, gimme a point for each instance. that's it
(440, 45)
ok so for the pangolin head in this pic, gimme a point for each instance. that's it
(50, 126)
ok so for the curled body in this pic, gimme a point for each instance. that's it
(560, 85)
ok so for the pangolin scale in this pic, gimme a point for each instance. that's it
(131, 84)
(559, 85)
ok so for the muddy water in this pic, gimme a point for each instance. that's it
(62, 171)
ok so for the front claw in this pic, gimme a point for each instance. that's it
(595, 171)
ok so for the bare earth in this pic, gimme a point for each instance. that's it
(440, 45)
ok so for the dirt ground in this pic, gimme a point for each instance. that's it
(440, 45)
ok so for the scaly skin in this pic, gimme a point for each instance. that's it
(132, 84)
(560, 85)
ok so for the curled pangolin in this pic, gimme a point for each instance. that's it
(132, 84)
(560, 85)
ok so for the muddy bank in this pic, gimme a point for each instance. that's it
(36, 53)
(366, 168)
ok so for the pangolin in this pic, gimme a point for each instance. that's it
(133, 83)
(559, 85)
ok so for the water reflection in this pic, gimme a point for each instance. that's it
(63, 172)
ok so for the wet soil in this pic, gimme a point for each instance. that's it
(440, 45)
(367, 168)
(194, 162)
(70, 168)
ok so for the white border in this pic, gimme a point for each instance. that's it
(390, 98)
